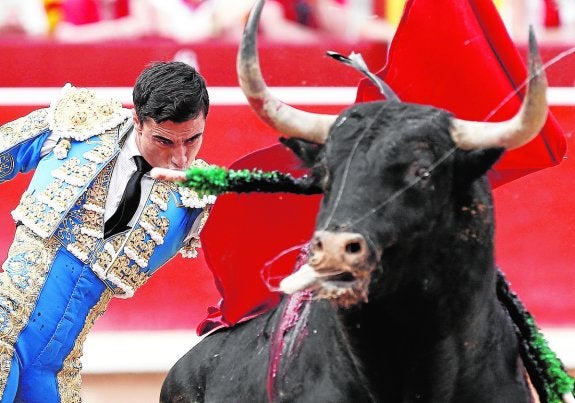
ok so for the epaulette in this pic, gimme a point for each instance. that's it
(78, 113)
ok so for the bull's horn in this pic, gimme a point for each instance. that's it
(285, 119)
(520, 129)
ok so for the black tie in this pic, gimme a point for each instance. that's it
(130, 200)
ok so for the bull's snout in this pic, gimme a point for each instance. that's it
(337, 250)
(338, 268)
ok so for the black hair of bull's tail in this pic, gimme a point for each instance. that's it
(545, 370)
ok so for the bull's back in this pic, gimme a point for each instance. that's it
(228, 364)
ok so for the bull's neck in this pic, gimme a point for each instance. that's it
(446, 277)
(418, 326)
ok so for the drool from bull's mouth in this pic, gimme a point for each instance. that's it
(345, 288)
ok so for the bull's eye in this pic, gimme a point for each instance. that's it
(321, 177)
(340, 121)
(423, 173)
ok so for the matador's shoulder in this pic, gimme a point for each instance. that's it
(75, 113)
(79, 113)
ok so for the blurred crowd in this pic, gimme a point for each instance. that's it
(298, 21)
(83, 21)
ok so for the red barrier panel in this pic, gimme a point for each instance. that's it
(45, 63)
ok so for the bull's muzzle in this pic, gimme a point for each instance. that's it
(338, 268)
(336, 252)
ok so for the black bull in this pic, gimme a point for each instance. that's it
(397, 301)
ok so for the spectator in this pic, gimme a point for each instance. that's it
(180, 20)
(80, 12)
(312, 20)
(23, 17)
(298, 21)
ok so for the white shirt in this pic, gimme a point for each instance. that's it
(123, 170)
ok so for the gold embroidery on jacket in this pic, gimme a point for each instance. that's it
(57, 195)
(156, 226)
(68, 378)
(93, 221)
(75, 173)
(89, 213)
(34, 214)
(111, 250)
(80, 114)
(101, 153)
(25, 270)
(138, 249)
(161, 194)
(22, 129)
(126, 276)
(6, 166)
(95, 203)
(189, 249)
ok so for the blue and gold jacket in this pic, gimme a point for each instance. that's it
(66, 197)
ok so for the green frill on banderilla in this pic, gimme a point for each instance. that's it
(214, 180)
(545, 369)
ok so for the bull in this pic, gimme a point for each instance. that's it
(397, 301)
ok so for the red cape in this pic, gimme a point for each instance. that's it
(455, 55)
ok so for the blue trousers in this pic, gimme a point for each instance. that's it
(49, 308)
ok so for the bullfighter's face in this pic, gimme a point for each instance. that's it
(169, 144)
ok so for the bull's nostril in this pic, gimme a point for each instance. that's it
(353, 247)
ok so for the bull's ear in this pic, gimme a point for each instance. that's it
(470, 165)
(306, 151)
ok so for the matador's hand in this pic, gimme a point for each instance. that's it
(165, 174)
